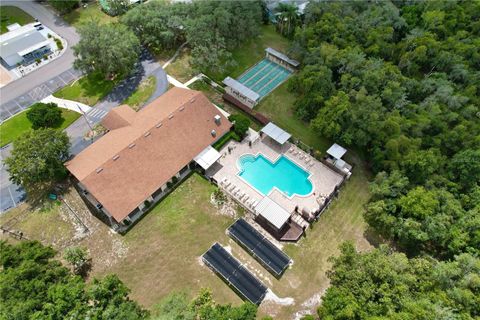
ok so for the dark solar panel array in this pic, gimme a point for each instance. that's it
(259, 247)
(230, 269)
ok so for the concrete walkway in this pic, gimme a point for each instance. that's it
(176, 83)
(174, 56)
(68, 104)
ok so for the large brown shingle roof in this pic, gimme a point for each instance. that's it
(152, 147)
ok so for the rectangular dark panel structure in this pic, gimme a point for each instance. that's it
(265, 252)
(236, 275)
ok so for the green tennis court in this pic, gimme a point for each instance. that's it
(264, 77)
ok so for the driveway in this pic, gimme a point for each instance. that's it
(20, 94)
(11, 195)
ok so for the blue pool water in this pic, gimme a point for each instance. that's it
(283, 174)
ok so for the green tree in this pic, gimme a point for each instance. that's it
(288, 18)
(117, 7)
(383, 284)
(35, 286)
(45, 115)
(158, 25)
(64, 6)
(109, 300)
(397, 79)
(77, 257)
(36, 160)
(465, 168)
(110, 49)
(202, 307)
(240, 124)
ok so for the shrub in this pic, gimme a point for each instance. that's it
(174, 180)
(59, 44)
(147, 203)
(77, 257)
(219, 196)
(240, 124)
(45, 115)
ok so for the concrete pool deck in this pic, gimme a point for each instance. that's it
(324, 179)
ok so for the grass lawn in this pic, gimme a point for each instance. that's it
(161, 252)
(142, 94)
(88, 90)
(17, 125)
(92, 12)
(10, 15)
(180, 68)
(279, 107)
(216, 98)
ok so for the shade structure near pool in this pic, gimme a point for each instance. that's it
(264, 251)
(235, 274)
(276, 133)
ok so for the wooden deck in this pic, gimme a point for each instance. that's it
(290, 232)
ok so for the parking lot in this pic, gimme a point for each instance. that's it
(12, 107)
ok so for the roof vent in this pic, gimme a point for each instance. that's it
(99, 170)
(147, 134)
(192, 100)
(182, 108)
(131, 146)
(217, 119)
(170, 116)
(214, 133)
(158, 125)
(115, 157)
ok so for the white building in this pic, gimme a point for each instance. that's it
(23, 45)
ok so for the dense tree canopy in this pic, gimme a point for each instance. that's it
(211, 28)
(241, 124)
(386, 285)
(203, 307)
(117, 7)
(401, 81)
(45, 115)
(64, 6)
(35, 286)
(36, 160)
(110, 49)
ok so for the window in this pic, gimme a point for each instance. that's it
(184, 169)
(133, 213)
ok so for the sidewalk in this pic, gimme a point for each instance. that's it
(68, 104)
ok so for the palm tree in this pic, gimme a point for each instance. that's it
(287, 18)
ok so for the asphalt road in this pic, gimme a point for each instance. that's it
(11, 195)
(21, 93)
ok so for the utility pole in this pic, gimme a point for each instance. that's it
(88, 122)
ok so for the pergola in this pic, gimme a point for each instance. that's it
(207, 157)
(272, 212)
(276, 133)
(336, 151)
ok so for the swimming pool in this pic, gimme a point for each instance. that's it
(284, 175)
